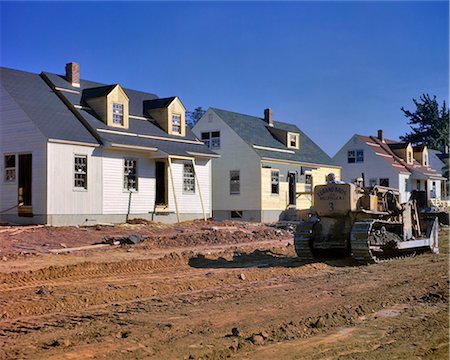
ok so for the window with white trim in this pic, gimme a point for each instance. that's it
(130, 174)
(176, 123)
(188, 179)
(355, 156)
(293, 140)
(80, 171)
(211, 139)
(275, 181)
(372, 182)
(117, 114)
(10, 168)
(235, 182)
(406, 185)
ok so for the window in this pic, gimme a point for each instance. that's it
(117, 114)
(425, 160)
(129, 174)
(384, 182)
(10, 168)
(211, 139)
(355, 156)
(176, 123)
(188, 179)
(406, 185)
(409, 157)
(418, 184)
(293, 140)
(80, 177)
(372, 182)
(275, 176)
(235, 182)
(236, 214)
(308, 182)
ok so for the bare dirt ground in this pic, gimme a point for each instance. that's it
(192, 291)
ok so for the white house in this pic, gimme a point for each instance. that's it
(381, 161)
(79, 152)
(266, 170)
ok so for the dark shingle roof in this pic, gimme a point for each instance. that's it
(43, 106)
(158, 103)
(253, 130)
(96, 92)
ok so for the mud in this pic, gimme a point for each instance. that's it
(197, 293)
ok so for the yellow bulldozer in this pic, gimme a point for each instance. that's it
(368, 223)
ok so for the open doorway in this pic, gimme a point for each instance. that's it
(24, 188)
(292, 179)
(161, 183)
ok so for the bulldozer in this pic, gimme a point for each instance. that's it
(368, 223)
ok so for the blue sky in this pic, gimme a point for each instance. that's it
(332, 68)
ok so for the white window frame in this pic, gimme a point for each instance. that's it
(235, 185)
(188, 179)
(10, 170)
(272, 179)
(126, 169)
(212, 142)
(356, 155)
(176, 126)
(117, 114)
(77, 171)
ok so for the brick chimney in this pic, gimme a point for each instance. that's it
(268, 116)
(73, 74)
(381, 135)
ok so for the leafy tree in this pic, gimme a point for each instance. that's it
(429, 124)
(193, 116)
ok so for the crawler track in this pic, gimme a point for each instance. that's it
(302, 241)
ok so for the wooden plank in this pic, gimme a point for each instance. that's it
(87, 247)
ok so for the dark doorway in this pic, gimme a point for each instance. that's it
(160, 176)
(24, 189)
(292, 188)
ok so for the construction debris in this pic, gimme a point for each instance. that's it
(130, 239)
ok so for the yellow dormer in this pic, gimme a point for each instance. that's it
(421, 154)
(110, 103)
(169, 113)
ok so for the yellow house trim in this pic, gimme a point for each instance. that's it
(273, 149)
(298, 163)
(149, 136)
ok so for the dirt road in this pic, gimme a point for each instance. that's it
(239, 299)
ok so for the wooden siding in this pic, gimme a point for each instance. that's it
(19, 135)
(235, 154)
(115, 198)
(63, 198)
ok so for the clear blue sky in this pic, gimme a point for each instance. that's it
(332, 68)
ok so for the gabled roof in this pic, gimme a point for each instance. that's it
(384, 150)
(253, 130)
(43, 106)
(159, 103)
(97, 91)
(34, 94)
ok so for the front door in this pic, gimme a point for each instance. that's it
(24, 189)
(160, 177)
(292, 188)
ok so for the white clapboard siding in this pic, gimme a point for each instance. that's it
(63, 198)
(190, 203)
(19, 135)
(235, 154)
(115, 198)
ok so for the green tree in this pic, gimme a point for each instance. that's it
(429, 123)
(193, 116)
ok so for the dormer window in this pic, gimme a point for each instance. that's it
(176, 123)
(293, 140)
(117, 114)
(425, 159)
(409, 157)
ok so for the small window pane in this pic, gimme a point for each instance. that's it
(130, 174)
(359, 156)
(372, 182)
(275, 182)
(10, 168)
(215, 140)
(384, 182)
(117, 114)
(176, 123)
(235, 182)
(80, 171)
(188, 179)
